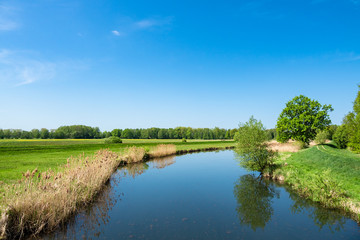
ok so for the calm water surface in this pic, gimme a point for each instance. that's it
(202, 196)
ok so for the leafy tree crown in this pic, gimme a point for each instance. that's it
(301, 119)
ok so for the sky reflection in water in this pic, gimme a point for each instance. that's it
(202, 196)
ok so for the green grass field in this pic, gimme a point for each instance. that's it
(18, 156)
(343, 167)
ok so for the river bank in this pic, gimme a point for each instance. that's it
(323, 174)
(42, 201)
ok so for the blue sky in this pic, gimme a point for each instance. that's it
(139, 64)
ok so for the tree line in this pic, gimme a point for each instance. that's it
(86, 132)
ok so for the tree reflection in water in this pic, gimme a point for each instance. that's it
(321, 216)
(254, 197)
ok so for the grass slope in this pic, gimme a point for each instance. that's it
(341, 166)
(18, 156)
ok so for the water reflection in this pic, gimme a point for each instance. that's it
(160, 163)
(134, 170)
(254, 198)
(87, 222)
(322, 217)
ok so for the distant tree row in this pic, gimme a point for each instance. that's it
(86, 132)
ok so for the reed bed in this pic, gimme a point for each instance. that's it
(43, 201)
(134, 154)
(290, 146)
(163, 150)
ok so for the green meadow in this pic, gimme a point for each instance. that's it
(18, 156)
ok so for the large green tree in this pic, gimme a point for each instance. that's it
(301, 119)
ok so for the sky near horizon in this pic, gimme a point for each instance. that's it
(139, 64)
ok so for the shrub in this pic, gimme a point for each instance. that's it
(183, 140)
(252, 146)
(341, 137)
(112, 139)
(321, 137)
(300, 145)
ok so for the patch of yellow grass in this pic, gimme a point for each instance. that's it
(163, 150)
(43, 201)
(289, 146)
(134, 154)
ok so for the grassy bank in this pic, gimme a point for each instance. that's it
(43, 200)
(18, 156)
(323, 174)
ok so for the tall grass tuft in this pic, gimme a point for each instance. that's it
(163, 150)
(134, 154)
(43, 201)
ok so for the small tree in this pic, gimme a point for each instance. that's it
(352, 124)
(301, 119)
(341, 137)
(321, 137)
(252, 146)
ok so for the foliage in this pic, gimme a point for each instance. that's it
(271, 133)
(116, 133)
(341, 137)
(112, 139)
(86, 132)
(321, 137)
(301, 119)
(184, 140)
(331, 129)
(352, 124)
(252, 146)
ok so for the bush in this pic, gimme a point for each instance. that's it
(252, 147)
(321, 137)
(183, 140)
(300, 145)
(112, 139)
(341, 137)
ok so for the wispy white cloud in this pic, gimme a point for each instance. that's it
(130, 26)
(117, 33)
(148, 23)
(7, 18)
(17, 68)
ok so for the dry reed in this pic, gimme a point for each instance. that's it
(43, 201)
(134, 154)
(163, 150)
(289, 146)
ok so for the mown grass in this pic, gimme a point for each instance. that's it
(18, 156)
(325, 174)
